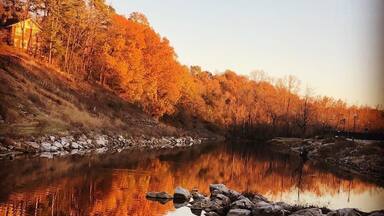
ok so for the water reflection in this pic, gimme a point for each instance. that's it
(116, 184)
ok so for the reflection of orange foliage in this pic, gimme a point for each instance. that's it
(122, 191)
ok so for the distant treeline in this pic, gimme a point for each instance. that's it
(125, 55)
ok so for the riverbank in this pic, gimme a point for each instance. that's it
(360, 157)
(54, 146)
(225, 201)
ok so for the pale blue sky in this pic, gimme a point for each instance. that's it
(330, 45)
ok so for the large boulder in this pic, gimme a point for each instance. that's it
(181, 194)
(308, 212)
(239, 212)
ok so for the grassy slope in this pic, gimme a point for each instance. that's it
(36, 99)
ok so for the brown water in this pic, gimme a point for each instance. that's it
(116, 184)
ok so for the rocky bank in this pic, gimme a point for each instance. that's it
(361, 157)
(51, 146)
(225, 201)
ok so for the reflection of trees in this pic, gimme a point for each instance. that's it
(96, 190)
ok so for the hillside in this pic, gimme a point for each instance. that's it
(37, 99)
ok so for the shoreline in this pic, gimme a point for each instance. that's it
(58, 146)
(360, 157)
(224, 201)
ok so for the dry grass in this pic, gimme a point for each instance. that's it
(38, 99)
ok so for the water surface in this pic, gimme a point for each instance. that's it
(115, 184)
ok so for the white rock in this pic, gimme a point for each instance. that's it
(33, 145)
(101, 141)
(53, 149)
(74, 145)
(101, 150)
(74, 151)
(58, 144)
(45, 146)
(64, 141)
(52, 138)
(63, 153)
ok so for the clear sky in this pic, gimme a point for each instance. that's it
(331, 46)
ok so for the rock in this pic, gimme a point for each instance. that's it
(239, 212)
(284, 206)
(181, 194)
(47, 147)
(162, 201)
(233, 195)
(101, 150)
(308, 212)
(64, 141)
(74, 151)
(261, 204)
(345, 212)
(159, 195)
(101, 141)
(179, 204)
(219, 187)
(244, 203)
(197, 196)
(58, 144)
(377, 213)
(257, 198)
(201, 204)
(33, 145)
(265, 208)
(52, 138)
(74, 145)
(219, 204)
(196, 211)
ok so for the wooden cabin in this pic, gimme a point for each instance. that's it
(22, 34)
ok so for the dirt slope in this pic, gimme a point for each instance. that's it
(36, 99)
